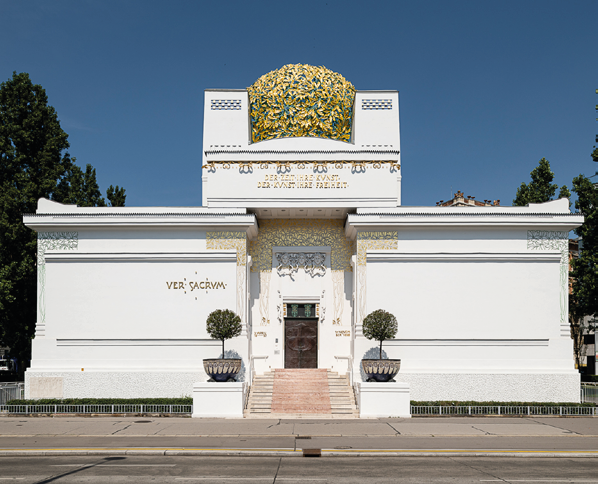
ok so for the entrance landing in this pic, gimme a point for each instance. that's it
(296, 393)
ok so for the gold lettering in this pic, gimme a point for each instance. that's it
(181, 285)
(201, 285)
(169, 284)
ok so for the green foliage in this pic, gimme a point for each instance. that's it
(105, 401)
(33, 164)
(380, 325)
(453, 403)
(223, 324)
(540, 189)
(584, 300)
(116, 196)
(80, 188)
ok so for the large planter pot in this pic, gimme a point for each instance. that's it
(219, 369)
(380, 370)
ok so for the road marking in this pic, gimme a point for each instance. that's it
(486, 451)
(112, 465)
(300, 479)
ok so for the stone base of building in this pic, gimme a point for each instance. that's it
(110, 384)
(383, 400)
(219, 399)
(498, 387)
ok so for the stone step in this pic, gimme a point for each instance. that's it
(303, 393)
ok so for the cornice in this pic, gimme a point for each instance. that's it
(300, 152)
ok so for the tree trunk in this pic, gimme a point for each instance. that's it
(380, 349)
(222, 349)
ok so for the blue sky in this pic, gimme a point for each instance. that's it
(486, 88)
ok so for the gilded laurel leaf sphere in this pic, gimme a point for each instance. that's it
(301, 100)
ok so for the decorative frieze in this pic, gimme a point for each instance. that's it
(374, 241)
(369, 241)
(227, 241)
(301, 233)
(311, 262)
(237, 241)
(49, 241)
(547, 240)
(555, 240)
(55, 241)
(317, 165)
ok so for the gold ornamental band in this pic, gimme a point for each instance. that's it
(338, 164)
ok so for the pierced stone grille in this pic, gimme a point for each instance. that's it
(376, 104)
(225, 104)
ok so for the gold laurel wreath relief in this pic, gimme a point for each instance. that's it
(299, 100)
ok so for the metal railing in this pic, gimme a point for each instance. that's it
(97, 409)
(589, 393)
(186, 410)
(11, 391)
(500, 410)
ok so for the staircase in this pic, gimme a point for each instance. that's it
(301, 393)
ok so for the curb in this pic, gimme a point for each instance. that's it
(298, 453)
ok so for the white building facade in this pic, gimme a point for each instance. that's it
(302, 233)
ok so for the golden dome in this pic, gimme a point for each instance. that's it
(301, 100)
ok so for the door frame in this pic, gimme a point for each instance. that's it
(315, 300)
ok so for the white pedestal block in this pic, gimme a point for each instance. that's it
(384, 399)
(212, 399)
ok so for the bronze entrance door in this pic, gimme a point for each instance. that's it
(300, 343)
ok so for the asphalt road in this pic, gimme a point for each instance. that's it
(290, 470)
(550, 443)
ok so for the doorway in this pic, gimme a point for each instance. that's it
(300, 337)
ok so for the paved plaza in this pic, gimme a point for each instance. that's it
(549, 436)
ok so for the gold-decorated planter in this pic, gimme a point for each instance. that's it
(219, 369)
(380, 370)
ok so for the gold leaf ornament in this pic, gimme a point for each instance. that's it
(301, 100)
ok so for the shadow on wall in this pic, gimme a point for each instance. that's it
(234, 354)
(371, 354)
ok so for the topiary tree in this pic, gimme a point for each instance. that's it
(223, 324)
(380, 325)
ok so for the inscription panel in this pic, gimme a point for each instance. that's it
(330, 184)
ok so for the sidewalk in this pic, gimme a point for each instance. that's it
(185, 436)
